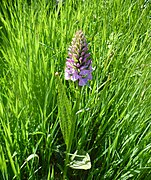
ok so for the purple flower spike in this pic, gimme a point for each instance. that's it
(78, 64)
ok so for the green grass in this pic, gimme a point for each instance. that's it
(114, 120)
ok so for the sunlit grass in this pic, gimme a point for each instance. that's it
(114, 119)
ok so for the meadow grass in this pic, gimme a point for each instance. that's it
(113, 123)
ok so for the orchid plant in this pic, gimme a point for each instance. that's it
(78, 68)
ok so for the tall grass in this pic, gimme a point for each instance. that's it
(114, 117)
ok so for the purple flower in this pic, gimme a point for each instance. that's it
(78, 64)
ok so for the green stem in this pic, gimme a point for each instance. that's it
(75, 109)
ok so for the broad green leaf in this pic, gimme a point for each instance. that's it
(65, 114)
